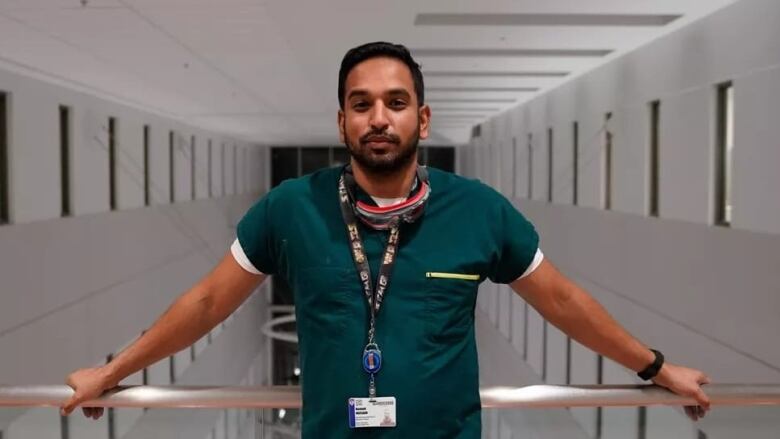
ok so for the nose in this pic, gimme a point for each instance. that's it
(379, 120)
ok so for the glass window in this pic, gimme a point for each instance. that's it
(314, 158)
(222, 168)
(284, 164)
(575, 162)
(340, 156)
(192, 167)
(235, 168)
(530, 165)
(112, 127)
(607, 166)
(514, 167)
(171, 167)
(147, 181)
(4, 190)
(724, 154)
(441, 157)
(210, 178)
(655, 109)
(65, 159)
(549, 165)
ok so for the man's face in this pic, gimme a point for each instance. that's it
(381, 122)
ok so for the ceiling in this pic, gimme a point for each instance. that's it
(267, 70)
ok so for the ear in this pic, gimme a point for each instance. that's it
(425, 121)
(341, 120)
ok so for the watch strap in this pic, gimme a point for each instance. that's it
(652, 370)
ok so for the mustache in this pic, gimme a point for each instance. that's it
(381, 137)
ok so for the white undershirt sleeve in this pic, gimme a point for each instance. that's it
(538, 258)
(241, 258)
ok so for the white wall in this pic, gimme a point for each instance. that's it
(705, 295)
(77, 289)
(34, 152)
(681, 70)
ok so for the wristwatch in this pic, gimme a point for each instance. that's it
(652, 370)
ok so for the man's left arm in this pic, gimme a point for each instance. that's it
(570, 308)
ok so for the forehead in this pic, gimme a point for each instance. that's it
(377, 75)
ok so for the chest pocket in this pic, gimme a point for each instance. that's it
(450, 300)
(322, 297)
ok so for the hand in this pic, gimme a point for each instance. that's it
(87, 384)
(686, 382)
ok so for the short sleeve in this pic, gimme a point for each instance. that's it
(517, 244)
(255, 238)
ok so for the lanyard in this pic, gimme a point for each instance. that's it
(372, 356)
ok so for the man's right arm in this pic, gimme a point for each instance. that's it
(188, 319)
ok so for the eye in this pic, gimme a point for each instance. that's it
(360, 105)
(398, 103)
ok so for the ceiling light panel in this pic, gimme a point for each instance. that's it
(506, 63)
(494, 74)
(458, 116)
(431, 96)
(449, 108)
(621, 20)
(524, 83)
(470, 100)
(482, 89)
(519, 52)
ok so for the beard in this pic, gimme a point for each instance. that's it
(389, 162)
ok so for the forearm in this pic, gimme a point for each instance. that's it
(577, 314)
(189, 318)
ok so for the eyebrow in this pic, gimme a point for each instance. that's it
(391, 92)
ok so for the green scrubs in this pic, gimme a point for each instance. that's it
(425, 327)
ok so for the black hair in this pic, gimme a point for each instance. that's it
(358, 54)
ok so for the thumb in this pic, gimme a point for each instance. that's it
(71, 404)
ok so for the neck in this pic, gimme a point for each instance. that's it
(394, 185)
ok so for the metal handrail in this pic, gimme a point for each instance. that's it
(289, 397)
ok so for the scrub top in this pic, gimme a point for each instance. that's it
(425, 327)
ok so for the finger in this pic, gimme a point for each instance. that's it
(86, 411)
(691, 412)
(69, 405)
(704, 379)
(702, 398)
(98, 412)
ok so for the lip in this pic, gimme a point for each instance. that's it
(378, 140)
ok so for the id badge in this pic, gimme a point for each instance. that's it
(372, 412)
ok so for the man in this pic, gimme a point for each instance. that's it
(404, 338)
